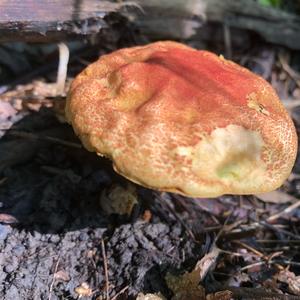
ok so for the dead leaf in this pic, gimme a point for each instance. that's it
(291, 279)
(186, 286)
(62, 275)
(147, 215)
(238, 279)
(222, 295)
(207, 262)
(158, 296)
(294, 286)
(84, 290)
(8, 219)
(212, 206)
(119, 200)
(6, 110)
(276, 197)
(33, 104)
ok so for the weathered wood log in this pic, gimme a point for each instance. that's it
(52, 20)
(48, 20)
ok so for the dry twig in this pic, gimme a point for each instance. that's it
(53, 280)
(30, 135)
(286, 211)
(286, 67)
(123, 290)
(259, 254)
(105, 269)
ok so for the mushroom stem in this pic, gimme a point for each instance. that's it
(62, 68)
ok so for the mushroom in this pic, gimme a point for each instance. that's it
(176, 119)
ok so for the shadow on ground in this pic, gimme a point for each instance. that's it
(50, 193)
(50, 187)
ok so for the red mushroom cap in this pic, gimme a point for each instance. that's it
(176, 119)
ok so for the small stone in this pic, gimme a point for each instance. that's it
(83, 236)
(5, 230)
(18, 250)
(9, 268)
(55, 239)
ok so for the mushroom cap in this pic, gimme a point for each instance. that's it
(176, 119)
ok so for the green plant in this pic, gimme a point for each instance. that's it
(272, 3)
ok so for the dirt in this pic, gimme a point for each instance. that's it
(53, 227)
(53, 193)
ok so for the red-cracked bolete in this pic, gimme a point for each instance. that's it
(176, 119)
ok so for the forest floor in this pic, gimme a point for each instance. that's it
(58, 239)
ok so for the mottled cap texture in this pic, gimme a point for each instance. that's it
(176, 119)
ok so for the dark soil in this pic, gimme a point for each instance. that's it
(58, 225)
(53, 228)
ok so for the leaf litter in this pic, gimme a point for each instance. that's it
(158, 246)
